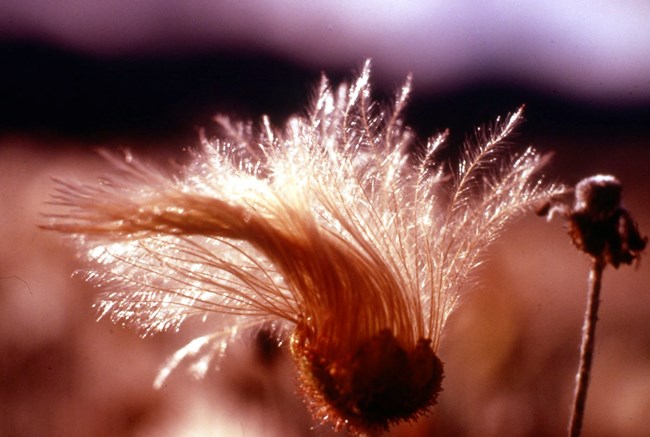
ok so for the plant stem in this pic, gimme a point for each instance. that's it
(587, 347)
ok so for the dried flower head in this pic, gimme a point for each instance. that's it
(340, 228)
(598, 224)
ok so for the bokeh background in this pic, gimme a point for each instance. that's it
(147, 75)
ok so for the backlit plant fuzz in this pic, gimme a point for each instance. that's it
(340, 228)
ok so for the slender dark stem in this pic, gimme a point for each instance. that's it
(587, 347)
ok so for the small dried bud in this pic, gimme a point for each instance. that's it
(598, 223)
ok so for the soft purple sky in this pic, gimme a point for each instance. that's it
(595, 49)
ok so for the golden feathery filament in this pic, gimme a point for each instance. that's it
(337, 228)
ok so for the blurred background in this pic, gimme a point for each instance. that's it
(146, 75)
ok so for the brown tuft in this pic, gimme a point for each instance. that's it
(600, 226)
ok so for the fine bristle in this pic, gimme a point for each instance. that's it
(338, 224)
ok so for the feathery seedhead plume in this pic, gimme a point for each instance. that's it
(339, 228)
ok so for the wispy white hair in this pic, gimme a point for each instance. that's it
(339, 226)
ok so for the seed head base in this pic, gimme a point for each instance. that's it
(381, 384)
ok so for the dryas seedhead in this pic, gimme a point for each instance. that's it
(341, 228)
